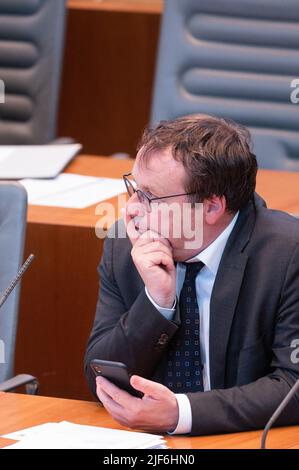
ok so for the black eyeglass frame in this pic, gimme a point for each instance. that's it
(139, 192)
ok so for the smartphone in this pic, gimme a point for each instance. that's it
(117, 373)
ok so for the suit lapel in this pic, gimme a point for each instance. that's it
(222, 309)
(226, 293)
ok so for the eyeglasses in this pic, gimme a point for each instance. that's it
(143, 198)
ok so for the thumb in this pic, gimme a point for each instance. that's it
(148, 387)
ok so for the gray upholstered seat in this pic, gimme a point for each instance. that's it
(233, 59)
(31, 46)
(13, 211)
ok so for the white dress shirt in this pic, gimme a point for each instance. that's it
(205, 279)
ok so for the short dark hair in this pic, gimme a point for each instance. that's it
(215, 152)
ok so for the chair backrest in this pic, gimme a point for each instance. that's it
(31, 46)
(13, 210)
(234, 59)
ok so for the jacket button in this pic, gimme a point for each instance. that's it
(163, 339)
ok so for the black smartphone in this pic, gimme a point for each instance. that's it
(117, 373)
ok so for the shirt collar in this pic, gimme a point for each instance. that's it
(211, 255)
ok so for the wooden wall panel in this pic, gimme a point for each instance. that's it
(107, 78)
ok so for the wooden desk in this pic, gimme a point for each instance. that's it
(22, 411)
(59, 292)
(132, 6)
(280, 189)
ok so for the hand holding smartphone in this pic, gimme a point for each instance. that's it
(115, 372)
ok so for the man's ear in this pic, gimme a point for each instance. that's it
(214, 208)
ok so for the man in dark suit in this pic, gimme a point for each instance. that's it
(208, 329)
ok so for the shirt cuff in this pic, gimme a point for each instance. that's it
(184, 425)
(168, 313)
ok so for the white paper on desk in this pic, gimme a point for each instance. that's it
(35, 161)
(5, 151)
(71, 190)
(66, 435)
(29, 432)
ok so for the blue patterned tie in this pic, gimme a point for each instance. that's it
(184, 368)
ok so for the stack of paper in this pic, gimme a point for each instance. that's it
(72, 191)
(66, 435)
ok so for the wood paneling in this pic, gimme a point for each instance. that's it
(108, 73)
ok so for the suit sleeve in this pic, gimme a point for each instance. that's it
(131, 336)
(250, 406)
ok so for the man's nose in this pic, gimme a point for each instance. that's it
(134, 206)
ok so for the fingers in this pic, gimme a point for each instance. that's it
(151, 236)
(115, 410)
(148, 387)
(151, 248)
(107, 401)
(154, 259)
(159, 258)
(137, 238)
(119, 396)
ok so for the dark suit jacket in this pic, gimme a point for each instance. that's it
(254, 317)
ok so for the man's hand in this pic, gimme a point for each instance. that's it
(156, 411)
(152, 256)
